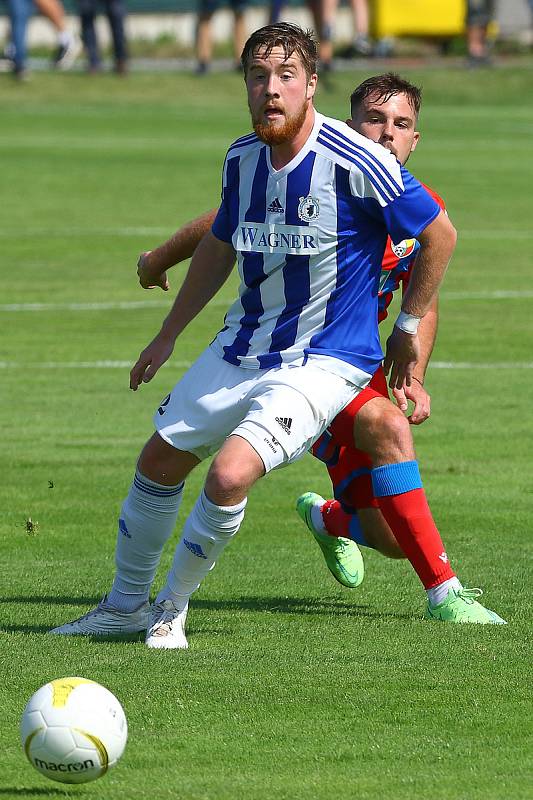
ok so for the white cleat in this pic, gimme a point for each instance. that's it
(67, 54)
(167, 627)
(104, 620)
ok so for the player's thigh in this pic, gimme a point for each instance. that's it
(205, 405)
(342, 427)
(289, 409)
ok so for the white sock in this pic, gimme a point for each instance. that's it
(437, 594)
(317, 519)
(64, 38)
(147, 519)
(207, 531)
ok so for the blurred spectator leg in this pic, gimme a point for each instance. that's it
(480, 14)
(116, 14)
(239, 32)
(19, 13)
(68, 43)
(324, 12)
(360, 46)
(87, 11)
(276, 10)
(204, 46)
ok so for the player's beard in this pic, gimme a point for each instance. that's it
(279, 134)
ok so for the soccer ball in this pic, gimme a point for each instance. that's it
(73, 730)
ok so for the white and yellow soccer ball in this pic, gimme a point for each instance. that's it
(73, 730)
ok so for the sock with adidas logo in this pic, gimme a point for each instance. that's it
(207, 532)
(147, 519)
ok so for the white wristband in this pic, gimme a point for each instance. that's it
(407, 322)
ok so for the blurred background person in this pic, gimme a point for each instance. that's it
(116, 13)
(15, 53)
(324, 13)
(479, 15)
(68, 42)
(360, 44)
(15, 50)
(204, 39)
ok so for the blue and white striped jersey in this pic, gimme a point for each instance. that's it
(309, 240)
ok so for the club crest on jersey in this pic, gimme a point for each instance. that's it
(404, 248)
(308, 208)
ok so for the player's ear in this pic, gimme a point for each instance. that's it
(416, 138)
(311, 86)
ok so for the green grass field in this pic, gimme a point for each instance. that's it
(293, 687)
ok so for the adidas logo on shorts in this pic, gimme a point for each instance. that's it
(285, 423)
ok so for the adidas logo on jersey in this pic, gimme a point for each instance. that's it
(285, 423)
(276, 206)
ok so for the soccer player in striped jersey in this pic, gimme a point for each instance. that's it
(384, 108)
(306, 207)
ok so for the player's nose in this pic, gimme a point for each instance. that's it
(388, 130)
(271, 87)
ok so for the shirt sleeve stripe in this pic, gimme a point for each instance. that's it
(353, 148)
(386, 195)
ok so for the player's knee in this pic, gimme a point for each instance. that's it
(226, 483)
(383, 432)
(395, 427)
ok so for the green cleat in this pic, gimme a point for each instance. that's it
(343, 557)
(461, 606)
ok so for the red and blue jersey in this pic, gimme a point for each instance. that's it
(397, 264)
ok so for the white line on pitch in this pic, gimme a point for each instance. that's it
(126, 305)
(152, 230)
(185, 364)
(481, 365)
(81, 364)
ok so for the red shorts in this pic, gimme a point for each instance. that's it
(348, 467)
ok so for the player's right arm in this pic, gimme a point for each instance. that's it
(153, 264)
(416, 392)
(437, 243)
(209, 269)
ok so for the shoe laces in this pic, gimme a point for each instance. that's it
(93, 611)
(342, 544)
(469, 595)
(166, 614)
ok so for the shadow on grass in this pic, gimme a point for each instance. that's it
(297, 606)
(55, 601)
(14, 792)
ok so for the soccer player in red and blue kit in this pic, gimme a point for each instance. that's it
(374, 505)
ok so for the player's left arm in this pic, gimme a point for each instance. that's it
(152, 265)
(416, 392)
(437, 243)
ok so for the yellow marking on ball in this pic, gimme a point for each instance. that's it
(100, 747)
(29, 740)
(62, 688)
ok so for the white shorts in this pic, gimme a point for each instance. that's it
(280, 411)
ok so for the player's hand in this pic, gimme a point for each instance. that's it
(148, 277)
(418, 396)
(151, 359)
(401, 355)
